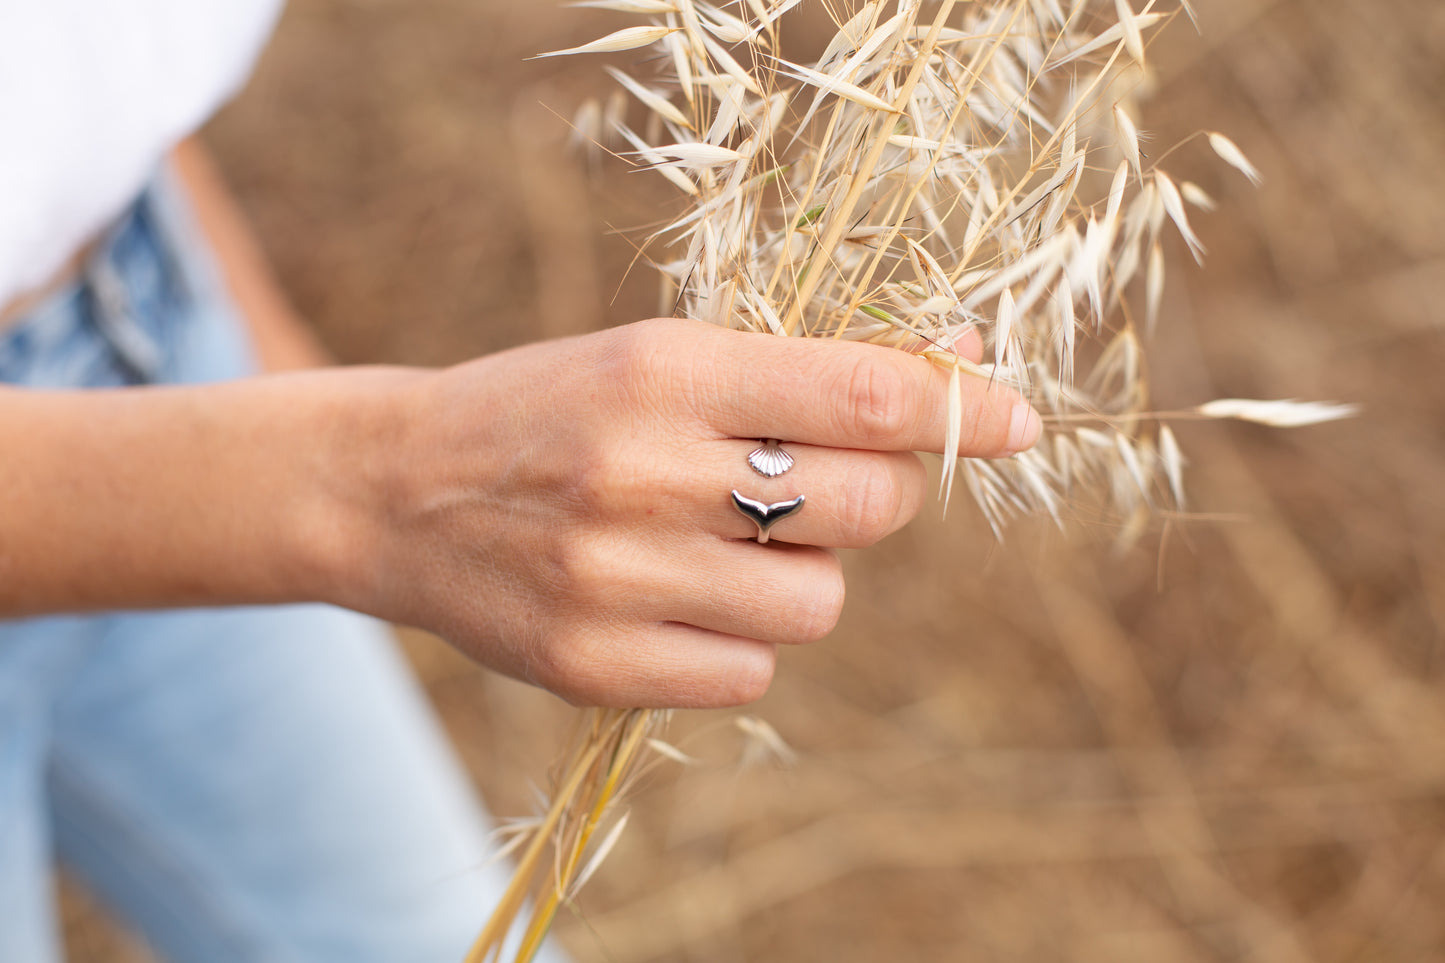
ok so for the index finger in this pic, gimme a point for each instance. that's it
(844, 394)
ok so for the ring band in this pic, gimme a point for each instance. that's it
(770, 461)
(763, 515)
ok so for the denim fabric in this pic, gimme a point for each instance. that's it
(148, 309)
(256, 784)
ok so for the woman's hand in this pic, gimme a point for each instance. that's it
(562, 512)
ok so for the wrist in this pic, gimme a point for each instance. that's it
(356, 436)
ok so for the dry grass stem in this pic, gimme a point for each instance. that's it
(940, 169)
(596, 774)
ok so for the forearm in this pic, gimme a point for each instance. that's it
(247, 492)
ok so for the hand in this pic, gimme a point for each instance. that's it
(562, 512)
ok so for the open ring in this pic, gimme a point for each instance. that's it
(763, 515)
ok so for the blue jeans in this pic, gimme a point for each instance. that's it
(240, 784)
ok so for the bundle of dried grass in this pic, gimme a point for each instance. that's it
(594, 775)
(973, 168)
(939, 169)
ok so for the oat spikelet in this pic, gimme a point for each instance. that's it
(1278, 414)
(1229, 151)
(629, 38)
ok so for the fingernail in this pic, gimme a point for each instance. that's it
(1024, 426)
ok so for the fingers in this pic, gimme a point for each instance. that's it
(694, 627)
(665, 666)
(785, 594)
(843, 395)
(790, 594)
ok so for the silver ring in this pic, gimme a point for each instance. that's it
(763, 515)
(770, 461)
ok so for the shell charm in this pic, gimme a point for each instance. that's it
(770, 461)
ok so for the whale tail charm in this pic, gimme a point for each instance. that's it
(763, 515)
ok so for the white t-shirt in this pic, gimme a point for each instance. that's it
(92, 95)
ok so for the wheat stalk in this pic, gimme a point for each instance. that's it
(969, 167)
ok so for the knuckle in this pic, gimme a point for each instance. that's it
(878, 406)
(984, 431)
(608, 478)
(553, 667)
(661, 368)
(750, 676)
(584, 571)
(872, 502)
(637, 359)
(574, 669)
(579, 694)
(821, 603)
(972, 433)
(912, 480)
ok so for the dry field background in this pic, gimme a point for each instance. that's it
(1228, 744)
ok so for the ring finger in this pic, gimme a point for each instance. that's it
(852, 499)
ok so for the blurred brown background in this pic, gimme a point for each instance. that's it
(1228, 744)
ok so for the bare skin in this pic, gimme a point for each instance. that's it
(559, 512)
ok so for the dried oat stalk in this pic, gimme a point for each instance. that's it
(941, 168)
(560, 849)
